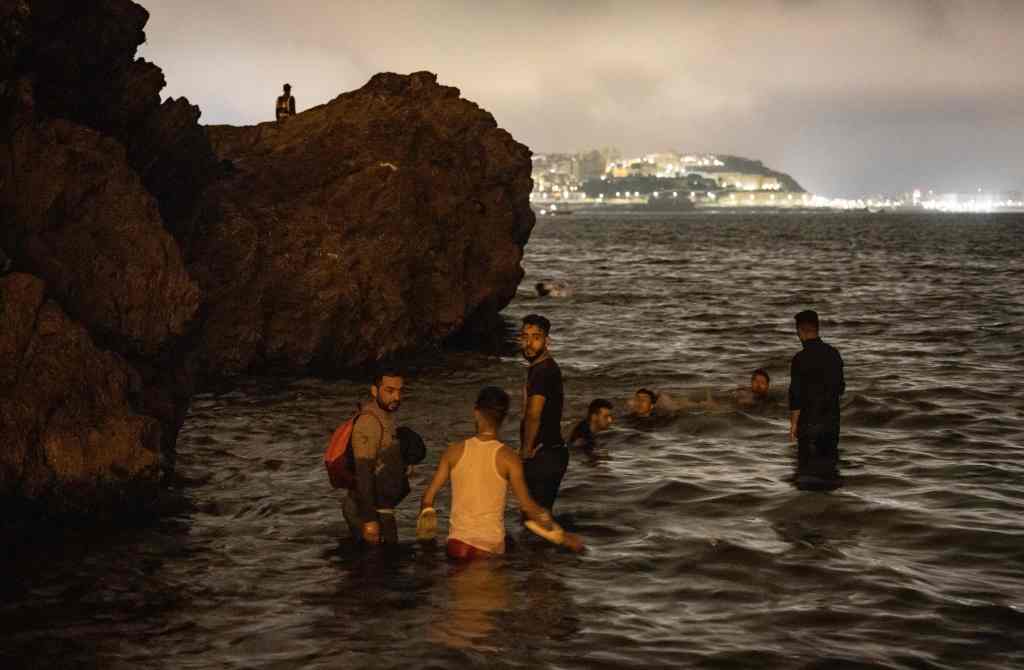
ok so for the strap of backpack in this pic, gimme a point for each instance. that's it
(359, 414)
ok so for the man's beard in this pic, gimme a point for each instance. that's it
(388, 407)
(537, 355)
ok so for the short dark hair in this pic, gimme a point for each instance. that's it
(386, 370)
(493, 403)
(288, 86)
(807, 317)
(597, 405)
(760, 372)
(651, 394)
(539, 321)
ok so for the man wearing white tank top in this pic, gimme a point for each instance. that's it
(482, 469)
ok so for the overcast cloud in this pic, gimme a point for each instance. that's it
(850, 97)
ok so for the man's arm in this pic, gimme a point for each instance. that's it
(511, 467)
(440, 479)
(291, 105)
(366, 439)
(531, 425)
(795, 399)
(842, 379)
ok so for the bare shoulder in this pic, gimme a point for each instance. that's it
(507, 457)
(454, 452)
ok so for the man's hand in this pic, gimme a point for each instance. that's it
(573, 542)
(526, 453)
(792, 433)
(371, 532)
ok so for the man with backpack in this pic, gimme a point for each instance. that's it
(380, 471)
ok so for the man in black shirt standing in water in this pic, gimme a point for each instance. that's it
(542, 449)
(816, 382)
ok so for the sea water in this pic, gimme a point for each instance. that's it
(701, 550)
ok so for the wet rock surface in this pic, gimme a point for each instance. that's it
(385, 220)
(97, 304)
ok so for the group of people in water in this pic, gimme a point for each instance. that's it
(481, 469)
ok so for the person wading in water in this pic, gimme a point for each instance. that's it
(815, 384)
(482, 469)
(369, 507)
(545, 456)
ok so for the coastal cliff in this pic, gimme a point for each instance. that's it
(132, 254)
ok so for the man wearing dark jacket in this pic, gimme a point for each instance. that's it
(379, 468)
(815, 385)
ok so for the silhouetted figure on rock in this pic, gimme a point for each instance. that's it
(285, 104)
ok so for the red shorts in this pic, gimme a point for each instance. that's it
(460, 551)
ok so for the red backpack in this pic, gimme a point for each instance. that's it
(338, 458)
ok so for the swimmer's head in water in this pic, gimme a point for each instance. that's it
(542, 289)
(807, 324)
(533, 338)
(643, 402)
(759, 382)
(600, 414)
(492, 405)
(387, 389)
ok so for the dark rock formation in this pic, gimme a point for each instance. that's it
(77, 216)
(70, 436)
(98, 306)
(132, 254)
(385, 220)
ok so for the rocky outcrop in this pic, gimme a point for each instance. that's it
(385, 220)
(71, 439)
(78, 217)
(133, 254)
(97, 304)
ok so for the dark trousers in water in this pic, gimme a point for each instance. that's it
(544, 472)
(818, 452)
(388, 525)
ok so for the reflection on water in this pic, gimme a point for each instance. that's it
(478, 593)
(704, 548)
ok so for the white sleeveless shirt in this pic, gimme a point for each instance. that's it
(478, 497)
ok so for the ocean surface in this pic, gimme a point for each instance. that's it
(702, 552)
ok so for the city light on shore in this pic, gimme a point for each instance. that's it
(585, 179)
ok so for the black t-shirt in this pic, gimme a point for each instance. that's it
(545, 379)
(815, 384)
(582, 437)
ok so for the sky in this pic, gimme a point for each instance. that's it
(851, 97)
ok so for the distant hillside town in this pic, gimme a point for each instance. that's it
(669, 180)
